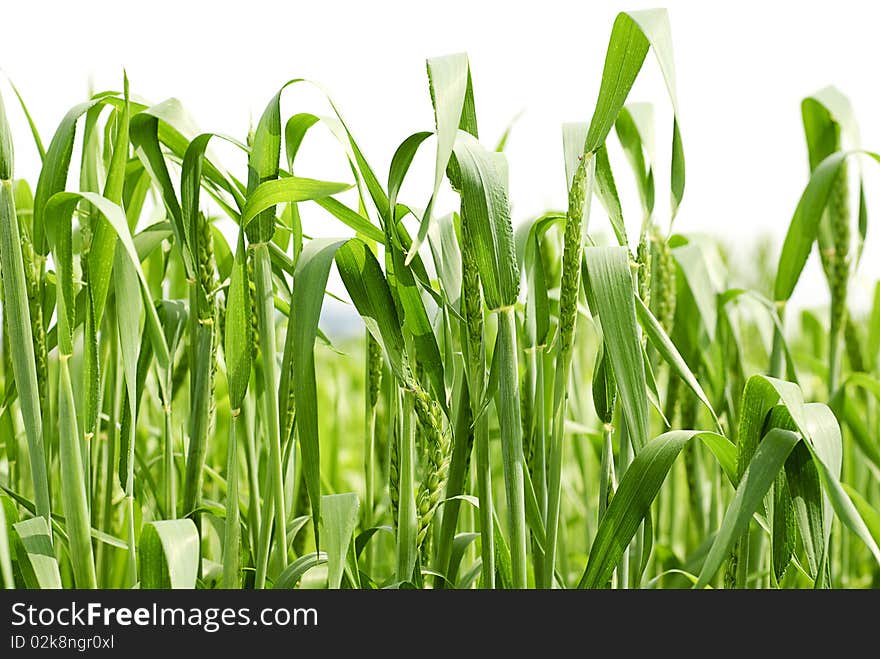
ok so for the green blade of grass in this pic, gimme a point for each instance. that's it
(100, 256)
(36, 557)
(667, 350)
(804, 226)
(408, 294)
(59, 211)
(56, 165)
(765, 464)
(633, 33)
(309, 282)
(18, 323)
(5, 548)
(369, 291)
(38, 142)
(484, 199)
(635, 130)
(128, 323)
(237, 340)
(806, 494)
(73, 489)
(632, 501)
(612, 291)
(296, 570)
(448, 79)
(867, 512)
(286, 190)
(168, 554)
(339, 517)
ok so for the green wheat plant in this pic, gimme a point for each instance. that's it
(582, 399)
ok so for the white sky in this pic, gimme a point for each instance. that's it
(742, 70)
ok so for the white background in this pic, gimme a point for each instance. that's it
(742, 71)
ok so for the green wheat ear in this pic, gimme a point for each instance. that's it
(643, 260)
(663, 295)
(438, 453)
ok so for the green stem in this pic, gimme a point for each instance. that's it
(776, 355)
(834, 336)
(113, 395)
(606, 474)
(73, 486)
(511, 442)
(535, 386)
(487, 506)
(200, 363)
(407, 522)
(168, 467)
(250, 448)
(232, 530)
(458, 472)
(625, 458)
(369, 452)
(168, 475)
(266, 322)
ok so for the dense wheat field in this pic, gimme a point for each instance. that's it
(578, 400)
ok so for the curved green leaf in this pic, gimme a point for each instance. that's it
(286, 190)
(339, 519)
(763, 468)
(484, 202)
(309, 282)
(632, 501)
(611, 286)
(35, 554)
(60, 210)
(667, 350)
(290, 577)
(168, 554)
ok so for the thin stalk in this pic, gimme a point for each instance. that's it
(539, 418)
(113, 396)
(834, 334)
(776, 369)
(373, 368)
(392, 442)
(265, 303)
(250, 449)
(507, 403)
(463, 438)
(625, 458)
(169, 480)
(170, 477)
(201, 338)
(231, 537)
(73, 486)
(537, 459)
(129, 500)
(607, 481)
(483, 470)
(264, 544)
(741, 564)
(369, 455)
(407, 521)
